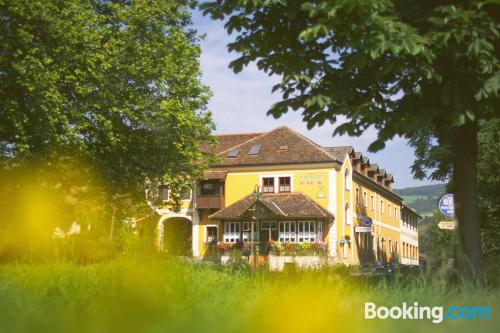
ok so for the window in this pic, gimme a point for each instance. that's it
(389, 209)
(306, 232)
(254, 150)
(346, 214)
(186, 194)
(231, 232)
(344, 250)
(268, 185)
(365, 199)
(382, 207)
(396, 249)
(357, 196)
(211, 235)
(209, 187)
(390, 246)
(246, 231)
(246, 226)
(233, 153)
(373, 202)
(163, 192)
(347, 183)
(395, 212)
(364, 240)
(267, 225)
(320, 231)
(287, 232)
(284, 184)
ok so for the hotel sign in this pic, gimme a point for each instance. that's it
(311, 180)
(363, 229)
(367, 222)
(447, 205)
(446, 225)
(314, 180)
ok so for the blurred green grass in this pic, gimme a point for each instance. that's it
(155, 294)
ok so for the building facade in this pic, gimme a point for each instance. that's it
(294, 199)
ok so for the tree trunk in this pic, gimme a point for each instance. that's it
(466, 206)
(112, 228)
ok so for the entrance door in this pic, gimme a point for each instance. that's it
(177, 233)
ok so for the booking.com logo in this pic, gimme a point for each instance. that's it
(436, 313)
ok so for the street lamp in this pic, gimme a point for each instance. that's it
(257, 193)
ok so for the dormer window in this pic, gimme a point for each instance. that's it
(254, 150)
(233, 153)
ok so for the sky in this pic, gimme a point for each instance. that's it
(240, 102)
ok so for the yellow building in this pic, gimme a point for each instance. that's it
(316, 205)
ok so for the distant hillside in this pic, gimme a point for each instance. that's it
(424, 199)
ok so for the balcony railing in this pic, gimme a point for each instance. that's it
(210, 201)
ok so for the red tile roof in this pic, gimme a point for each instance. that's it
(279, 146)
(281, 206)
(282, 145)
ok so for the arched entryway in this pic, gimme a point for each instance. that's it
(176, 236)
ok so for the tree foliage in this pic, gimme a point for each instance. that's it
(489, 186)
(113, 83)
(95, 97)
(428, 71)
(399, 66)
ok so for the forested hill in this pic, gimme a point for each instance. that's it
(424, 199)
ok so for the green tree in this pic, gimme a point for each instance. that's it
(489, 187)
(109, 86)
(426, 69)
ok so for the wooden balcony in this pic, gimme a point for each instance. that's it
(210, 201)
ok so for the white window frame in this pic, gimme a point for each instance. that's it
(389, 209)
(287, 235)
(365, 199)
(206, 232)
(264, 186)
(276, 181)
(347, 180)
(308, 233)
(344, 250)
(232, 236)
(347, 213)
(382, 207)
(279, 184)
(246, 231)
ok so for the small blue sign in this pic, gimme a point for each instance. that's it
(367, 221)
(447, 205)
